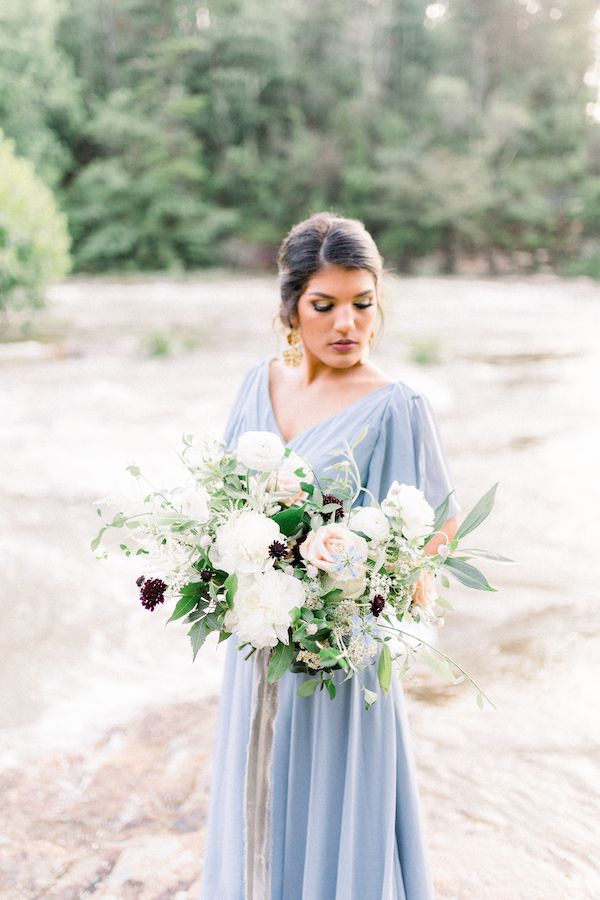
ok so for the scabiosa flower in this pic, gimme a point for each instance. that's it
(152, 593)
(139, 581)
(339, 513)
(377, 604)
(277, 550)
(206, 574)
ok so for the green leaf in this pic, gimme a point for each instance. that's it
(183, 606)
(223, 635)
(485, 553)
(330, 687)
(230, 584)
(479, 699)
(198, 634)
(480, 511)
(370, 698)
(384, 668)
(444, 580)
(289, 519)
(438, 664)
(467, 574)
(280, 661)
(441, 513)
(331, 595)
(133, 470)
(441, 601)
(307, 687)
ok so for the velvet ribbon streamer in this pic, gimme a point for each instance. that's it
(258, 807)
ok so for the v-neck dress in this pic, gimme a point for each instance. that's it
(346, 823)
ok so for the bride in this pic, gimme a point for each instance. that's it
(345, 819)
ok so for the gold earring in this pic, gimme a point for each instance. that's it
(365, 354)
(293, 356)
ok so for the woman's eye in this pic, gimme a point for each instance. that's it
(327, 307)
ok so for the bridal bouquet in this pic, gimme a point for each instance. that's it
(251, 545)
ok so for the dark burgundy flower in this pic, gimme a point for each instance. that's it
(206, 574)
(277, 550)
(153, 593)
(139, 581)
(377, 604)
(339, 513)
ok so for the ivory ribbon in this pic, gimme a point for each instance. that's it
(258, 811)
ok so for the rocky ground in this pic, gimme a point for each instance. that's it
(106, 728)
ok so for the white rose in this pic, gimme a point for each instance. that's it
(242, 543)
(371, 521)
(283, 478)
(336, 550)
(261, 607)
(408, 506)
(261, 450)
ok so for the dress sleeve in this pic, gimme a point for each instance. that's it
(431, 465)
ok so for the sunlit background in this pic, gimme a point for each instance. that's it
(153, 154)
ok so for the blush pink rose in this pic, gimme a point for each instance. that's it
(336, 550)
(424, 592)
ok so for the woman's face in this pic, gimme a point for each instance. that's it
(336, 314)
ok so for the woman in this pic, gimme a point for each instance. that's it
(346, 822)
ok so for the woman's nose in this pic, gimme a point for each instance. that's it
(344, 319)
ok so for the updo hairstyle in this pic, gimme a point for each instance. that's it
(321, 240)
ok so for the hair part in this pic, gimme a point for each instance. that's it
(321, 240)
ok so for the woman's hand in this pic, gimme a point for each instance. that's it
(446, 533)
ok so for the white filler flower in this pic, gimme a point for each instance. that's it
(408, 506)
(262, 606)
(193, 500)
(242, 543)
(261, 450)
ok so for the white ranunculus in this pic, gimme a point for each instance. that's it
(284, 479)
(371, 521)
(406, 504)
(242, 543)
(261, 450)
(261, 607)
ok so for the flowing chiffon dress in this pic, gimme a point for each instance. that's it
(346, 819)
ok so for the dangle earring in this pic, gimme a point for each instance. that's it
(365, 354)
(293, 356)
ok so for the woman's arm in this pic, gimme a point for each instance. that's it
(448, 529)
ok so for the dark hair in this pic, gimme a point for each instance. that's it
(323, 239)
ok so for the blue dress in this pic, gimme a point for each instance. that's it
(346, 818)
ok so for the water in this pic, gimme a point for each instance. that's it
(510, 795)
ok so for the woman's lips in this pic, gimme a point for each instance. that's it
(344, 345)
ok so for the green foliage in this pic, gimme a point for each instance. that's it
(34, 242)
(176, 140)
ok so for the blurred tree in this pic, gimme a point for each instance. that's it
(34, 241)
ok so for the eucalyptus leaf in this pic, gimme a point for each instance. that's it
(487, 554)
(480, 511)
(467, 574)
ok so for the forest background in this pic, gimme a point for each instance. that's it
(172, 137)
